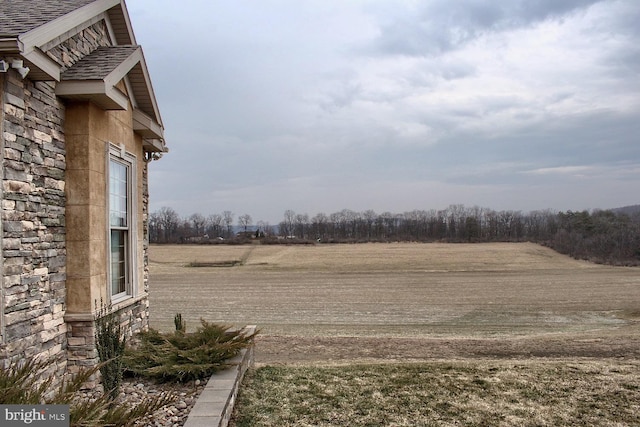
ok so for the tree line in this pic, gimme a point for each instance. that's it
(605, 236)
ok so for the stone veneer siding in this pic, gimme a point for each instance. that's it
(34, 241)
(82, 349)
(77, 47)
(33, 224)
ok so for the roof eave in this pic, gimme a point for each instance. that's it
(52, 29)
(106, 96)
(151, 105)
(28, 44)
(146, 126)
(104, 92)
(151, 145)
(42, 67)
(30, 47)
(121, 23)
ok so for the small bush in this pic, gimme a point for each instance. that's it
(181, 325)
(182, 357)
(19, 385)
(110, 344)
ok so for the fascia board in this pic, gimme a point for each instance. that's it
(43, 63)
(145, 125)
(120, 72)
(132, 98)
(75, 30)
(35, 58)
(80, 87)
(123, 68)
(114, 94)
(104, 95)
(154, 145)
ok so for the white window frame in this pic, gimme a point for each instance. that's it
(118, 154)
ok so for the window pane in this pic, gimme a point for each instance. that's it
(118, 261)
(118, 194)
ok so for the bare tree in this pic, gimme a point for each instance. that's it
(154, 227)
(287, 226)
(198, 221)
(215, 224)
(302, 220)
(369, 218)
(319, 225)
(168, 220)
(264, 228)
(388, 222)
(228, 221)
(244, 221)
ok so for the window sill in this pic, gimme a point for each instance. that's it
(116, 306)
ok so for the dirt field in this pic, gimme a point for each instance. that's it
(334, 304)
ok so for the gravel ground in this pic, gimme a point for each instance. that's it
(172, 415)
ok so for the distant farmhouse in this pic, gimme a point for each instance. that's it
(79, 124)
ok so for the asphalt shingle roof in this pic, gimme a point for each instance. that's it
(24, 19)
(21, 16)
(99, 64)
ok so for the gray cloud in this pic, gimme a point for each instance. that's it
(435, 27)
(320, 106)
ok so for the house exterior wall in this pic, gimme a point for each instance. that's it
(33, 223)
(54, 205)
(89, 133)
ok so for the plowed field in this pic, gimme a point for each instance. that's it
(380, 302)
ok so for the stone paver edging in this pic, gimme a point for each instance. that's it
(215, 404)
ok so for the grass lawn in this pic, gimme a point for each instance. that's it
(478, 393)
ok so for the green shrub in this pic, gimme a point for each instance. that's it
(110, 344)
(182, 357)
(181, 325)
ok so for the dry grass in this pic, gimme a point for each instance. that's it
(417, 334)
(443, 394)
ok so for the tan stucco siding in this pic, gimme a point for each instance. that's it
(89, 132)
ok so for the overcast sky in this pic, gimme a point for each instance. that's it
(323, 105)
